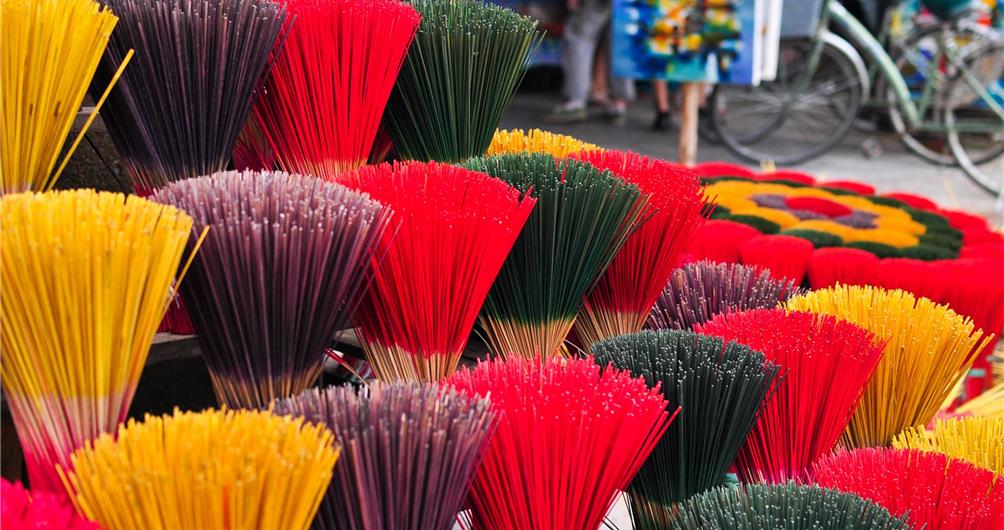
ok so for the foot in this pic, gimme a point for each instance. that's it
(662, 121)
(616, 112)
(569, 112)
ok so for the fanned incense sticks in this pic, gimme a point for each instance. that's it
(698, 291)
(783, 507)
(456, 228)
(977, 440)
(933, 491)
(826, 364)
(278, 276)
(849, 266)
(86, 279)
(321, 106)
(625, 293)
(410, 450)
(570, 436)
(178, 109)
(989, 403)
(21, 510)
(518, 141)
(718, 387)
(205, 470)
(458, 78)
(582, 219)
(929, 348)
(784, 256)
(49, 50)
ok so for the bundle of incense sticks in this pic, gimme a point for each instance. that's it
(826, 364)
(784, 256)
(87, 277)
(929, 349)
(558, 257)
(456, 228)
(570, 436)
(458, 78)
(179, 108)
(719, 389)
(279, 275)
(624, 295)
(930, 489)
(787, 506)
(23, 510)
(696, 292)
(515, 141)
(211, 469)
(49, 50)
(977, 440)
(321, 106)
(410, 452)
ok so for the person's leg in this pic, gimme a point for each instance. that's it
(582, 31)
(621, 88)
(660, 92)
(599, 93)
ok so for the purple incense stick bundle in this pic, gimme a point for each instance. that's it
(278, 275)
(696, 292)
(409, 451)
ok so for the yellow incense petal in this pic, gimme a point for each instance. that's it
(537, 141)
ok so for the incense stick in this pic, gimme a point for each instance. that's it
(179, 108)
(582, 219)
(279, 274)
(456, 228)
(719, 388)
(458, 78)
(49, 50)
(320, 109)
(699, 291)
(410, 452)
(211, 469)
(87, 277)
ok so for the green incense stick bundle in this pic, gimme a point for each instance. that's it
(582, 218)
(458, 78)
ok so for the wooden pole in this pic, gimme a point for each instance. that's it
(688, 123)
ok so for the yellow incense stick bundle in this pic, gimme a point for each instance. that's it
(518, 141)
(989, 403)
(929, 348)
(977, 440)
(86, 277)
(205, 471)
(49, 50)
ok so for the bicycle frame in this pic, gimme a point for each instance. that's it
(863, 38)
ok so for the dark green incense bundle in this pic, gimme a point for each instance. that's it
(582, 218)
(458, 78)
(719, 388)
(783, 507)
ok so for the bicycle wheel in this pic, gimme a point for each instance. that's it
(778, 122)
(915, 63)
(975, 132)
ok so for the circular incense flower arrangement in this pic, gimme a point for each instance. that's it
(835, 217)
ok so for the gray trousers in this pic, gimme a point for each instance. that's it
(584, 30)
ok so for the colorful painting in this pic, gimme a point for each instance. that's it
(687, 40)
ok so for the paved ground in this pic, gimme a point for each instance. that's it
(894, 170)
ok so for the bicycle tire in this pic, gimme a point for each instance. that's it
(750, 147)
(987, 169)
(922, 146)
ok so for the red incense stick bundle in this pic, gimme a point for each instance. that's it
(24, 510)
(831, 265)
(825, 362)
(719, 240)
(570, 436)
(456, 229)
(934, 491)
(784, 256)
(321, 106)
(623, 297)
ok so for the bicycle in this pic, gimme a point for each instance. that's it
(943, 92)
